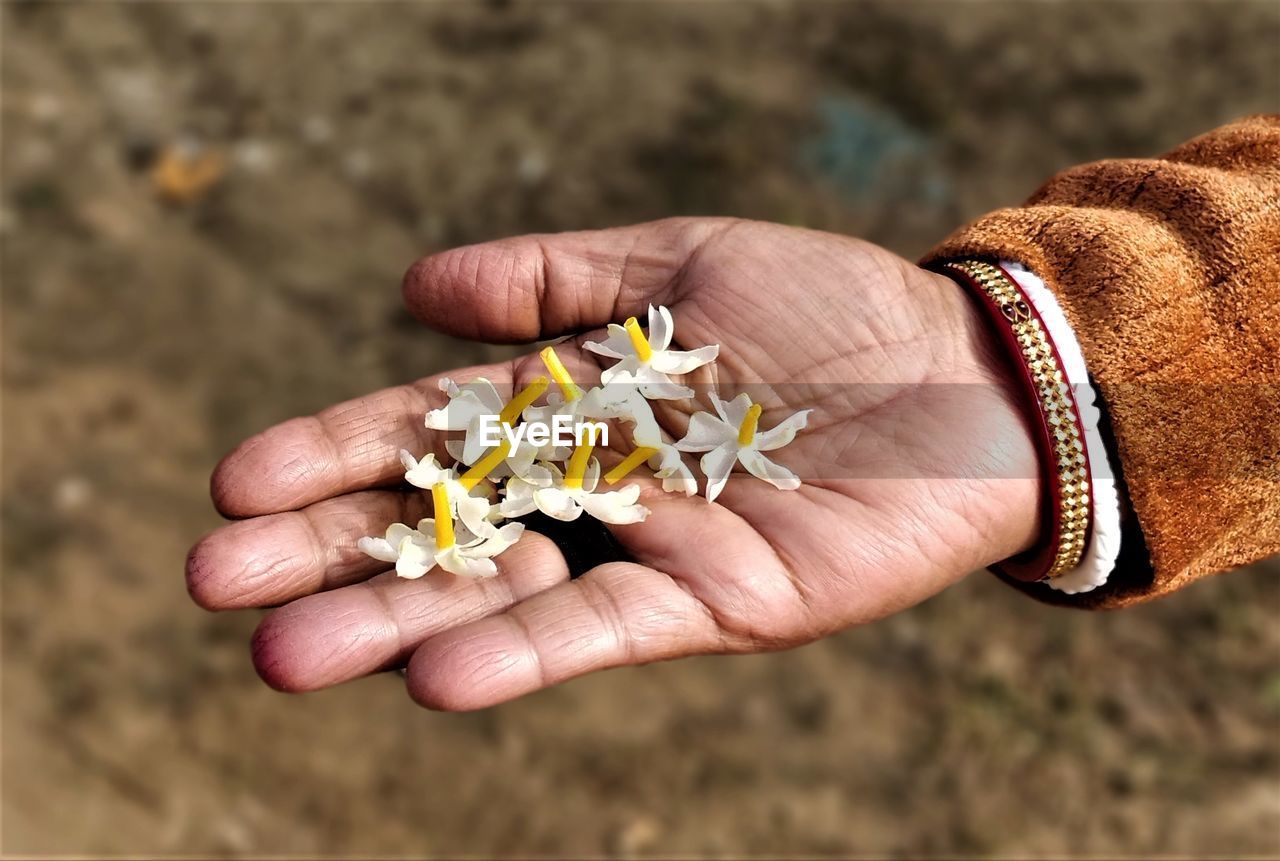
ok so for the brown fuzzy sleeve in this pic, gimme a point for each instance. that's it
(1168, 269)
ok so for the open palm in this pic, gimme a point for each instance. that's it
(917, 469)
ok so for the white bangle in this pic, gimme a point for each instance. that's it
(1099, 558)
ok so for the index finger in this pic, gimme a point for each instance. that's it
(350, 446)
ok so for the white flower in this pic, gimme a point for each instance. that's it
(469, 406)
(475, 512)
(666, 461)
(730, 436)
(415, 551)
(620, 401)
(646, 361)
(550, 492)
(669, 466)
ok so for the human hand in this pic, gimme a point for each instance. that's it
(917, 469)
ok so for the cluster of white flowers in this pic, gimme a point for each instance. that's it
(522, 474)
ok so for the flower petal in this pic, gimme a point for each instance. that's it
(521, 458)
(473, 511)
(423, 473)
(649, 434)
(682, 481)
(643, 375)
(541, 474)
(645, 427)
(486, 393)
(782, 433)
(609, 401)
(412, 569)
(542, 415)
(378, 548)
(557, 503)
(398, 532)
(734, 411)
(628, 404)
(477, 445)
(651, 384)
(674, 472)
(416, 559)
(677, 362)
(455, 561)
(706, 432)
(666, 391)
(519, 499)
(661, 328)
(615, 506)
(478, 397)
(623, 372)
(501, 540)
(616, 346)
(591, 477)
(716, 466)
(774, 473)
(718, 406)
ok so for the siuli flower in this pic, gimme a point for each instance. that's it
(416, 551)
(470, 405)
(623, 402)
(475, 512)
(663, 458)
(566, 497)
(646, 361)
(731, 436)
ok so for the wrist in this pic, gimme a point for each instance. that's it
(998, 475)
(1051, 413)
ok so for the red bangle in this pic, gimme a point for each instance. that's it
(1067, 501)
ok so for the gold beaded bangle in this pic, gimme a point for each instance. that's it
(1065, 463)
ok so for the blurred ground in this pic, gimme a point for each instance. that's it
(143, 339)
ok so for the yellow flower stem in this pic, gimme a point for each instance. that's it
(747, 430)
(485, 465)
(578, 461)
(641, 344)
(628, 464)
(517, 405)
(558, 373)
(444, 518)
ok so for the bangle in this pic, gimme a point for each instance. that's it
(1064, 462)
(1105, 527)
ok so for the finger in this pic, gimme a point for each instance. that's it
(542, 286)
(276, 558)
(351, 446)
(616, 614)
(333, 637)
